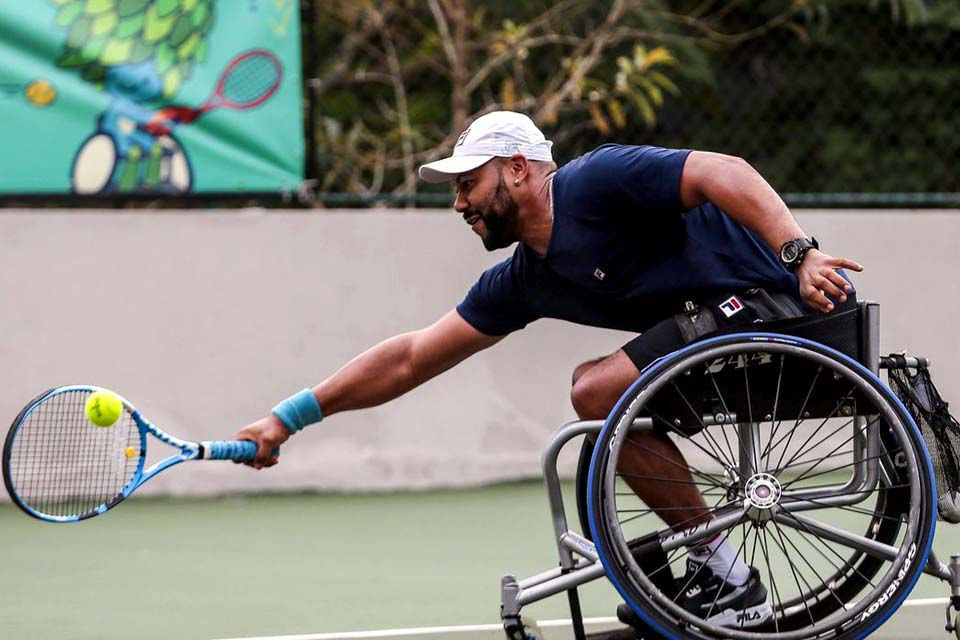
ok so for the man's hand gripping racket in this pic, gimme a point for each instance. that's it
(60, 467)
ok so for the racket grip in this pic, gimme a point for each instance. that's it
(236, 450)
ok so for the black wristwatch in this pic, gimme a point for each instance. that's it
(793, 251)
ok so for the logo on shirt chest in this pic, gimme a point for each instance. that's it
(598, 274)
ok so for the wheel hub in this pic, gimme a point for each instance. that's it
(763, 493)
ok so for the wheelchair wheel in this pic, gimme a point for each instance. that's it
(581, 482)
(845, 583)
(809, 466)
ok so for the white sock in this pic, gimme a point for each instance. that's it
(720, 557)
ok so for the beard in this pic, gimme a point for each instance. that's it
(501, 219)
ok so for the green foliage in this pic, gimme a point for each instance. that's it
(104, 33)
(863, 104)
(592, 62)
(820, 95)
(777, 81)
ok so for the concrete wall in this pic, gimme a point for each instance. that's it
(205, 320)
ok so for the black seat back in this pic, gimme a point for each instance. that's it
(791, 390)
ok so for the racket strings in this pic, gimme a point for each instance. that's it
(250, 80)
(62, 465)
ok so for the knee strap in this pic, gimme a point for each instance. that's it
(695, 322)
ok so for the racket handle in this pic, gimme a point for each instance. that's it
(236, 450)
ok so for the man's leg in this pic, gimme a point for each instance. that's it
(597, 385)
(657, 472)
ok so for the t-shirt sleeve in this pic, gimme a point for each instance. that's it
(496, 304)
(636, 176)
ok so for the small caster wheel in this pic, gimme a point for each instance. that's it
(516, 629)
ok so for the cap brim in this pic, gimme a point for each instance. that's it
(449, 168)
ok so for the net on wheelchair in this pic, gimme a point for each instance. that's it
(809, 466)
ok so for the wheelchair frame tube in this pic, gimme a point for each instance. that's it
(551, 478)
(748, 437)
(866, 475)
(575, 571)
(529, 593)
(829, 532)
(551, 454)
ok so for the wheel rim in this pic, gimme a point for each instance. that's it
(803, 606)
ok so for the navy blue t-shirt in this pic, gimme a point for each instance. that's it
(624, 253)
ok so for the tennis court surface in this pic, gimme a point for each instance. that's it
(313, 566)
(911, 621)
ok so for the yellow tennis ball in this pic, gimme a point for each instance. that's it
(104, 408)
(40, 93)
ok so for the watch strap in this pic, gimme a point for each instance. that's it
(802, 245)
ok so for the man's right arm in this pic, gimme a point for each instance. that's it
(380, 374)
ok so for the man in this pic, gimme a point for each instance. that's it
(670, 244)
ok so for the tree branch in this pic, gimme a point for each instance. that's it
(530, 28)
(400, 94)
(585, 64)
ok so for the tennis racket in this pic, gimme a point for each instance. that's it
(60, 467)
(247, 81)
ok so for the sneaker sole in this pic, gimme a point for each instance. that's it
(743, 617)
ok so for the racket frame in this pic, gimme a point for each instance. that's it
(217, 99)
(187, 451)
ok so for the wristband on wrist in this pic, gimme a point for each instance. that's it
(299, 410)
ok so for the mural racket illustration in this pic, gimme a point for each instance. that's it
(140, 53)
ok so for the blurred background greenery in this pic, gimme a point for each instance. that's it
(834, 101)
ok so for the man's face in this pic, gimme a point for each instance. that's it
(487, 206)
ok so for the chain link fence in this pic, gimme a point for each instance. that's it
(858, 107)
(864, 110)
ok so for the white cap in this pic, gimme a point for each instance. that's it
(500, 134)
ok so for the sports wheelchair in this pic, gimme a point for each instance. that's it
(811, 466)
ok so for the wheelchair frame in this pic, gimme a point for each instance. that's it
(579, 562)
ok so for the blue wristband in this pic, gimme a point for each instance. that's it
(299, 410)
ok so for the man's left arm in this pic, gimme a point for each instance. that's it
(734, 186)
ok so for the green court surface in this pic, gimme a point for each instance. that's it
(307, 564)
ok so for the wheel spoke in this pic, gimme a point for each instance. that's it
(803, 557)
(714, 455)
(843, 466)
(849, 508)
(714, 512)
(789, 436)
(830, 454)
(640, 476)
(836, 486)
(773, 416)
(796, 424)
(773, 583)
(703, 428)
(800, 463)
(843, 426)
(726, 411)
(693, 470)
(786, 554)
(824, 543)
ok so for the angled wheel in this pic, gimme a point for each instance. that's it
(812, 471)
(94, 165)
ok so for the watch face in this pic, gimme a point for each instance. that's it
(789, 252)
